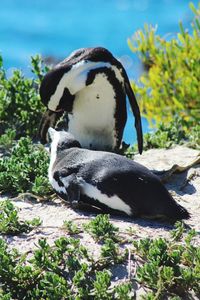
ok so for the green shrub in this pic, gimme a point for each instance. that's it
(9, 220)
(101, 228)
(101, 285)
(61, 271)
(194, 137)
(71, 228)
(167, 135)
(66, 270)
(7, 139)
(171, 85)
(124, 291)
(169, 267)
(25, 170)
(110, 251)
(20, 105)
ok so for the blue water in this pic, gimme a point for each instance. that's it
(57, 27)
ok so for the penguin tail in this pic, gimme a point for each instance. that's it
(170, 208)
(181, 213)
(177, 212)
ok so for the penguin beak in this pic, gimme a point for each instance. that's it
(49, 119)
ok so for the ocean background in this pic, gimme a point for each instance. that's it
(56, 28)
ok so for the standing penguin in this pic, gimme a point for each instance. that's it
(91, 87)
(107, 181)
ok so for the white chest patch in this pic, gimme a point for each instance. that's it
(53, 157)
(75, 79)
(113, 202)
(92, 122)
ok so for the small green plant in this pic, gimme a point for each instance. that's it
(171, 134)
(61, 271)
(178, 231)
(124, 291)
(20, 105)
(168, 135)
(4, 296)
(9, 220)
(193, 137)
(66, 270)
(171, 85)
(38, 68)
(7, 139)
(71, 227)
(131, 231)
(111, 252)
(169, 267)
(101, 228)
(101, 286)
(25, 169)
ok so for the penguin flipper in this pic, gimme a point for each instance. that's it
(136, 112)
(97, 206)
(72, 188)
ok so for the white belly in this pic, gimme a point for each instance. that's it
(113, 202)
(92, 122)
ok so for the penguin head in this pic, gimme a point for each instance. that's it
(56, 98)
(48, 88)
(61, 140)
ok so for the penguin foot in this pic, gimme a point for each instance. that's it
(74, 204)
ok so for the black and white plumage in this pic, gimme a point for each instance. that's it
(107, 180)
(91, 87)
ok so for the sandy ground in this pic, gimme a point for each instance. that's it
(184, 186)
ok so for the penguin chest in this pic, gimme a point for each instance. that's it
(93, 119)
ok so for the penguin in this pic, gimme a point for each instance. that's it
(107, 181)
(89, 88)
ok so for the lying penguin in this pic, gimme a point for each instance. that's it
(107, 181)
(90, 86)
